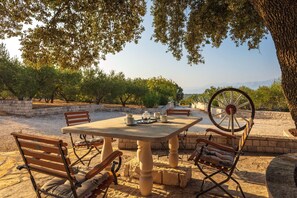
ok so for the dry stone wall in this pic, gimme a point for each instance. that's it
(255, 143)
(25, 108)
(258, 115)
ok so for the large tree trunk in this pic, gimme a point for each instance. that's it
(280, 18)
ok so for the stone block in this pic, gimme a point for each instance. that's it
(270, 149)
(260, 149)
(281, 144)
(279, 150)
(157, 176)
(126, 170)
(287, 150)
(272, 143)
(249, 143)
(264, 143)
(170, 178)
(121, 145)
(256, 143)
(185, 178)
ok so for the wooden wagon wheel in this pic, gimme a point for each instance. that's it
(230, 108)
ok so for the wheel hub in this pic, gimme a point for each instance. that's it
(230, 108)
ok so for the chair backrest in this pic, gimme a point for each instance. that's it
(178, 112)
(245, 134)
(77, 117)
(44, 155)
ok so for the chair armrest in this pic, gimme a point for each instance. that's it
(98, 168)
(221, 133)
(20, 167)
(219, 146)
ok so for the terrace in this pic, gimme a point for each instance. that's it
(261, 159)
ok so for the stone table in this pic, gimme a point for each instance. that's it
(144, 134)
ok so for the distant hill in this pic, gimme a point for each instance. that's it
(253, 85)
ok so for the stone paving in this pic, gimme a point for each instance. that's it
(251, 175)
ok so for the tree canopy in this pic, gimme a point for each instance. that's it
(194, 24)
(71, 34)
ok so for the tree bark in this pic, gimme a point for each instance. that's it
(280, 18)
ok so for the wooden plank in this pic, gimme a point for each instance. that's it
(48, 171)
(46, 156)
(178, 112)
(74, 118)
(77, 121)
(46, 164)
(36, 138)
(76, 112)
(77, 117)
(41, 147)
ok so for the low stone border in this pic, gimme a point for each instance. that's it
(280, 176)
(24, 108)
(162, 173)
(261, 144)
(258, 115)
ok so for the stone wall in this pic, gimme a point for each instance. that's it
(258, 115)
(261, 144)
(16, 107)
(25, 108)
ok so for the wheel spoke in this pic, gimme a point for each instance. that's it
(222, 119)
(229, 122)
(221, 102)
(237, 99)
(219, 114)
(236, 121)
(243, 104)
(243, 118)
(225, 99)
(231, 97)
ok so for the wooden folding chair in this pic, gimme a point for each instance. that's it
(49, 156)
(223, 159)
(88, 142)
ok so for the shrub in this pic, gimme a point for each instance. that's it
(151, 100)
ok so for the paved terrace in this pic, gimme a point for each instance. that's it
(14, 183)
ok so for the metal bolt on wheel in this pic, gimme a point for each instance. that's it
(230, 108)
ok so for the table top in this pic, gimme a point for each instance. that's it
(117, 128)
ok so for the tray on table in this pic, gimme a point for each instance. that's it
(148, 121)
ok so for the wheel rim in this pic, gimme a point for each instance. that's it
(230, 108)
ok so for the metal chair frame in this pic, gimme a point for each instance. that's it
(80, 117)
(227, 171)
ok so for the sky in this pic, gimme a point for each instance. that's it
(227, 64)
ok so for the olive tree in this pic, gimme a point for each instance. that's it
(95, 84)
(15, 77)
